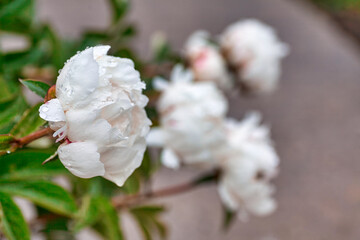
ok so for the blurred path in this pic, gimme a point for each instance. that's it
(315, 116)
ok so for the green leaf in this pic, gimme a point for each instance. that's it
(13, 8)
(229, 217)
(88, 214)
(6, 128)
(132, 184)
(147, 166)
(58, 229)
(40, 88)
(108, 225)
(29, 122)
(5, 92)
(16, 61)
(12, 220)
(5, 143)
(12, 110)
(147, 218)
(119, 7)
(27, 164)
(43, 193)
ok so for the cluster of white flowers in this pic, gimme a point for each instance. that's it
(193, 126)
(191, 115)
(250, 47)
(194, 131)
(99, 112)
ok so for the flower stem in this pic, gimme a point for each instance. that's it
(123, 201)
(33, 136)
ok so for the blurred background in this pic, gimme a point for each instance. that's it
(314, 116)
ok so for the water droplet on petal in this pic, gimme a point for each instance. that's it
(45, 109)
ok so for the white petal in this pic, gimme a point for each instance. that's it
(84, 125)
(180, 74)
(156, 137)
(52, 111)
(100, 51)
(120, 162)
(78, 79)
(169, 159)
(227, 198)
(262, 206)
(81, 159)
(160, 84)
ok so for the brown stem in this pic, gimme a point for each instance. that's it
(33, 136)
(121, 201)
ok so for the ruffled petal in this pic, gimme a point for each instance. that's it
(120, 162)
(169, 159)
(78, 79)
(81, 159)
(227, 198)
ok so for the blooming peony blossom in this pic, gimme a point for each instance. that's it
(99, 112)
(255, 51)
(206, 60)
(250, 164)
(191, 116)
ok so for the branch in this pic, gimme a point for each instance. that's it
(32, 137)
(123, 201)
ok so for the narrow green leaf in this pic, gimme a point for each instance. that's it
(6, 128)
(16, 61)
(5, 143)
(27, 164)
(119, 7)
(5, 92)
(29, 122)
(229, 217)
(13, 8)
(147, 219)
(12, 111)
(12, 220)
(43, 193)
(40, 88)
(88, 214)
(108, 225)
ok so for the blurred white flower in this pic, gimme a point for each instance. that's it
(99, 111)
(254, 49)
(191, 116)
(250, 164)
(206, 60)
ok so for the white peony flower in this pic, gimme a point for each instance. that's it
(99, 111)
(206, 60)
(250, 164)
(191, 120)
(255, 51)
